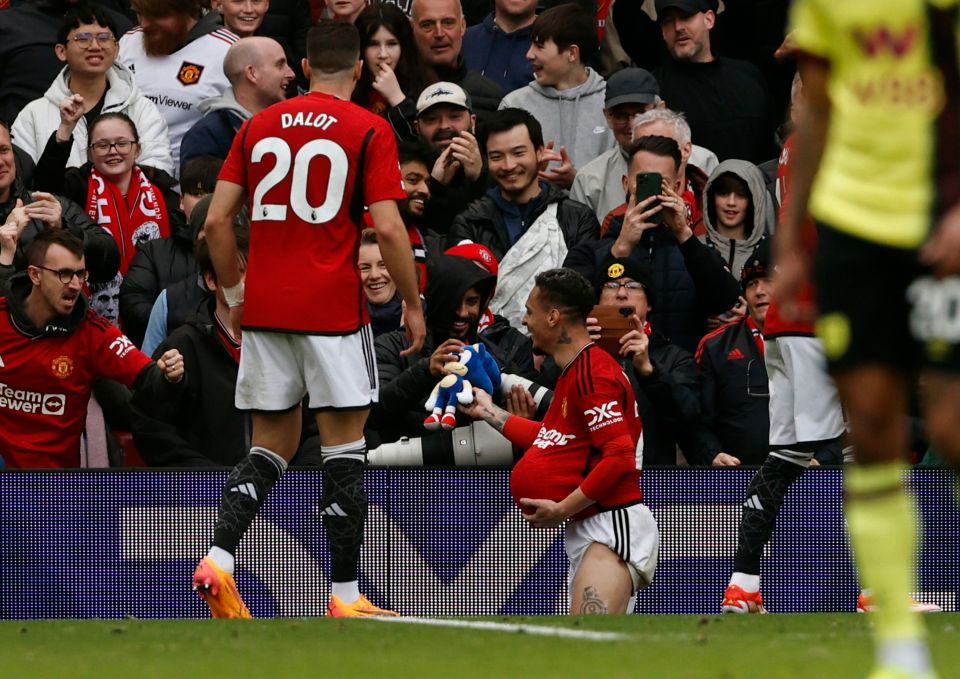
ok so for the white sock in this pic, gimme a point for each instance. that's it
(908, 655)
(746, 582)
(222, 558)
(347, 592)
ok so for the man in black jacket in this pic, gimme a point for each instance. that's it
(458, 292)
(691, 280)
(664, 376)
(446, 123)
(32, 213)
(528, 223)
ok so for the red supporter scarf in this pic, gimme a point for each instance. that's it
(133, 219)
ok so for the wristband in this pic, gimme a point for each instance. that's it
(233, 295)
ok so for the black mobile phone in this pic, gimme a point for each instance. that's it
(648, 184)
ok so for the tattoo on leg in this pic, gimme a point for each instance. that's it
(592, 603)
(564, 337)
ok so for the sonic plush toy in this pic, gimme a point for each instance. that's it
(476, 368)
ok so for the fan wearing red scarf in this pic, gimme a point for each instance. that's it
(119, 196)
(135, 204)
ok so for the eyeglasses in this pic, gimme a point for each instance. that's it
(102, 148)
(66, 275)
(616, 285)
(84, 40)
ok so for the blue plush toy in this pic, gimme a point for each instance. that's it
(476, 368)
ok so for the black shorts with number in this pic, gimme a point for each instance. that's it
(877, 304)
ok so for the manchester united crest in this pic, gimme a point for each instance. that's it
(62, 367)
(190, 73)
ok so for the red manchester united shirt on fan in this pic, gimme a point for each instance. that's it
(309, 165)
(45, 383)
(588, 438)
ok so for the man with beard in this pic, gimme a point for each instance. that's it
(414, 169)
(53, 348)
(177, 55)
(457, 297)
(28, 62)
(528, 223)
(445, 121)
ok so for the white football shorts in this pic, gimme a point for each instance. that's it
(804, 404)
(630, 532)
(278, 369)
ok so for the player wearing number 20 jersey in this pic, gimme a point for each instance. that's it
(310, 165)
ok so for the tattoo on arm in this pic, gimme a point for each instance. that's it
(495, 417)
(592, 603)
(564, 337)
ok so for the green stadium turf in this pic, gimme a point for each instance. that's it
(771, 646)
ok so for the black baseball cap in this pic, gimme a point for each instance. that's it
(624, 267)
(687, 6)
(631, 86)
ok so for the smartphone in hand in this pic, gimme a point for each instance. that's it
(648, 184)
(614, 323)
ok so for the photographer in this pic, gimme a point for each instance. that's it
(663, 375)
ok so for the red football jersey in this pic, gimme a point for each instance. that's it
(775, 324)
(45, 385)
(588, 438)
(309, 165)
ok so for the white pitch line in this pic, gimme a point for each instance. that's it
(537, 630)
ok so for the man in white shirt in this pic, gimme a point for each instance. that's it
(176, 54)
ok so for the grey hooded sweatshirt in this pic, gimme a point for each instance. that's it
(736, 252)
(572, 118)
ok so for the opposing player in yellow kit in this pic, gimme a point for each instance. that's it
(877, 164)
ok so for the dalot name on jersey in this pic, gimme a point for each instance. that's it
(307, 119)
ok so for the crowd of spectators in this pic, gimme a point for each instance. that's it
(529, 134)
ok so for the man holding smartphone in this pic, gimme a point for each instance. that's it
(663, 376)
(693, 281)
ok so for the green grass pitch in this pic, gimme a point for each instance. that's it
(820, 646)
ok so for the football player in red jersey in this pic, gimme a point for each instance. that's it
(579, 464)
(51, 349)
(307, 167)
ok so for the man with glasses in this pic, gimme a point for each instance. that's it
(663, 376)
(629, 92)
(52, 348)
(177, 54)
(28, 63)
(91, 83)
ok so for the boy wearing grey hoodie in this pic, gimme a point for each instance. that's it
(566, 96)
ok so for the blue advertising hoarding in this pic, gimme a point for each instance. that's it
(108, 544)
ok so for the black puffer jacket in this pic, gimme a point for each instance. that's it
(100, 253)
(158, 264)
(483, 222)
(690, 280)
(406, 381)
